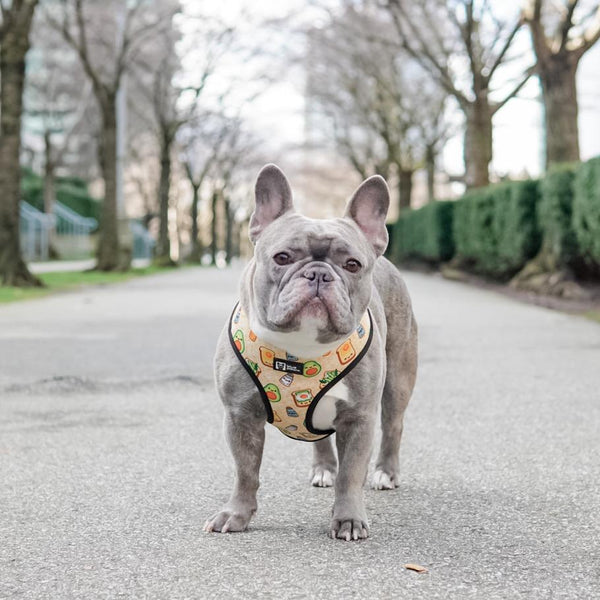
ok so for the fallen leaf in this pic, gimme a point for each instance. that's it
(417, 568)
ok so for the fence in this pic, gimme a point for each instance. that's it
(143, 242)
(35, 228)
(73, 234)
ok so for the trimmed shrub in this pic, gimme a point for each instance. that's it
(495, 228)
(425, 233)
(70, 191)
(473, 231)
(78, 199)
(586, 212)
(555, 213)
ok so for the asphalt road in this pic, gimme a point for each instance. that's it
(112, 457)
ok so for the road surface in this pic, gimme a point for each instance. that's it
(112, 456)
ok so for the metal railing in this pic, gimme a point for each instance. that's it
(72, 231)
(143, 242)
(68, 222)
(35, 227)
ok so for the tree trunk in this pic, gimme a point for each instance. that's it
(108, 243)
(405, 184)
(50, 192)
(228, 232)
(478, 143)
(14, 47)
(430, 156)
(213, 228)
(196, 251)
(559, 89)
(163, 246)
(235, 236)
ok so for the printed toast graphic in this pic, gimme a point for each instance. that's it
(266, 356)
(346, 352)
(302, 397)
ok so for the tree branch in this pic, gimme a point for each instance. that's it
(590, 37)
(422, 53)
(567, 23)
(528, 73)
(500, 57)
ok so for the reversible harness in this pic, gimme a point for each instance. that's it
(291, 387)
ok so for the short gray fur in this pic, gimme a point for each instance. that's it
(316, 291)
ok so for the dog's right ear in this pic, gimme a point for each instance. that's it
(273, 199)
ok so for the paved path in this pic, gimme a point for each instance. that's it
(61, 266)
(112, 456)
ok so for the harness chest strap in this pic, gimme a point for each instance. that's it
(290, 386)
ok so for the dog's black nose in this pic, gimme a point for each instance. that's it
(318, 274)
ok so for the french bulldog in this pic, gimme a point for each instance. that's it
(306, 289)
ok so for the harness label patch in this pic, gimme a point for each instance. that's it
(281, 364)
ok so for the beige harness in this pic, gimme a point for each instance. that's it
(291, 387)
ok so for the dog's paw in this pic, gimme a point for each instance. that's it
(384, 481)
(322, 476)
(349, 529)
(227, 521)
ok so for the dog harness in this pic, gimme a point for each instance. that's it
(289, 386)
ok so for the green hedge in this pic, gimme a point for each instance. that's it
(70, 191)
(555, 213)
(586, 212)
(425, 233)
(495, 228)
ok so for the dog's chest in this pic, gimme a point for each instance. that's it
(325, 411)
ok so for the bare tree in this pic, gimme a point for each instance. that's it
(173, 99)
(561, 33)
(448, 37)
(108, 38)
(14, 43)
(200, 142)
(59, 104)
(365, 90)
(233, 167)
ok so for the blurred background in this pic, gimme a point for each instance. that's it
(132, 130)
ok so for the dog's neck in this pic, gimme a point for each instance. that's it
(302, 343)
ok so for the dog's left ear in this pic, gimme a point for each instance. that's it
(273, 199)
(368, 209)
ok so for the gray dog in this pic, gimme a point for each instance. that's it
(323, 331)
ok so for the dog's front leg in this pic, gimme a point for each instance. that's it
(246, 436)
(354, 436)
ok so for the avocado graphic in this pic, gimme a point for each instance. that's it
(254, 366)
(311, 368)
(328, 377)
(272, 392)
(238, 340)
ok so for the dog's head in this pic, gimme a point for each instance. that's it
(313, 278)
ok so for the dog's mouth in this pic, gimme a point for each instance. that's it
(322, 308)
(315, 308)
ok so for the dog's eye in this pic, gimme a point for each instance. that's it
(282, 258)
(352, 265)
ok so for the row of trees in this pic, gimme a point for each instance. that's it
(90, 65)
(387, 77)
